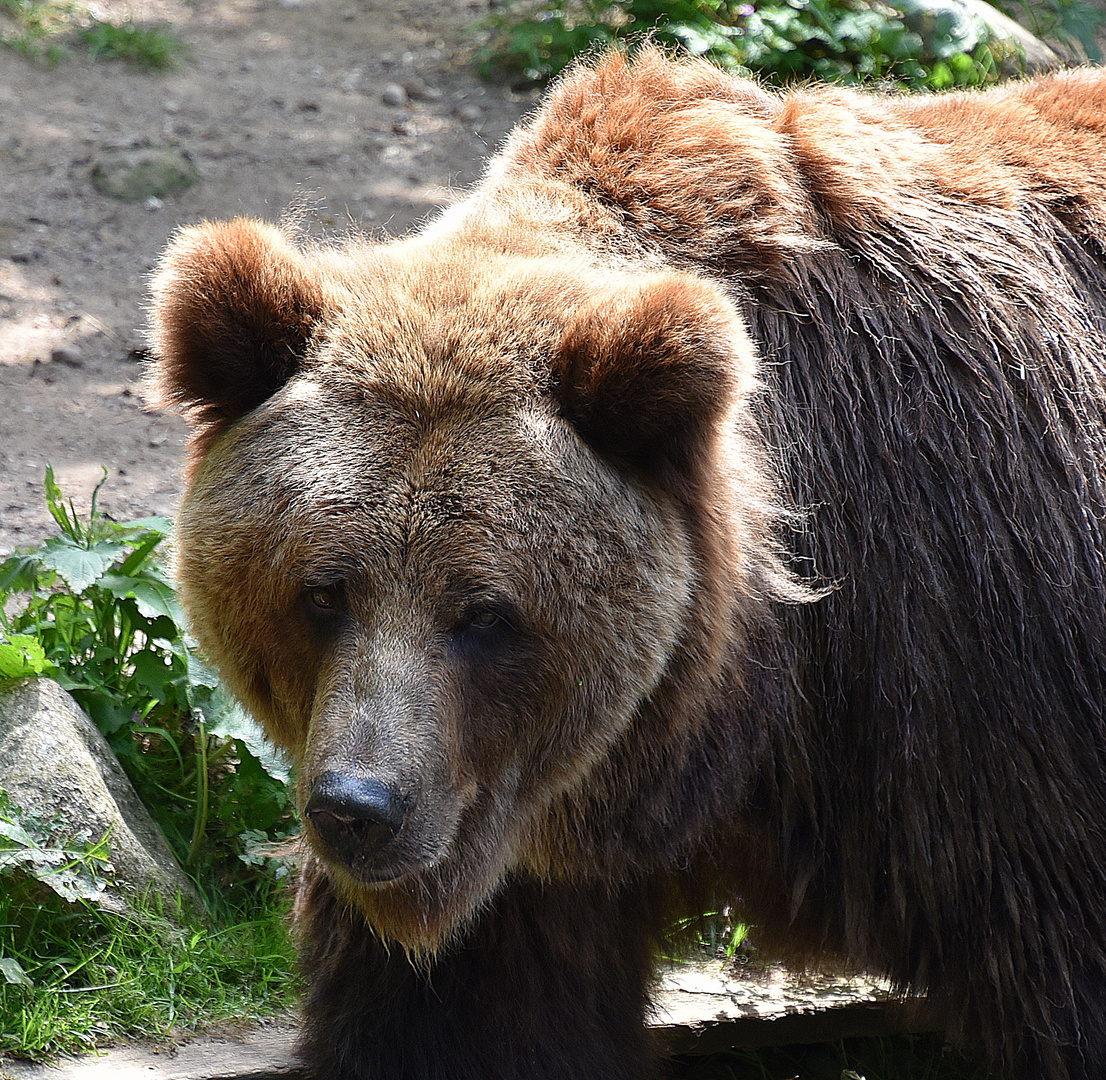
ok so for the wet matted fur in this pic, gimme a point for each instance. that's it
(710, 508)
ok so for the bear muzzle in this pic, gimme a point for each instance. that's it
(357, 818)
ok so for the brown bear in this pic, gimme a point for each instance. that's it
(709, 508)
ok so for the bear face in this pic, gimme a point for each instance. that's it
(448, 558)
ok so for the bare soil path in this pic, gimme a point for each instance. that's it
(278, 103)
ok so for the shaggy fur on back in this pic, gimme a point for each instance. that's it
(891, 751)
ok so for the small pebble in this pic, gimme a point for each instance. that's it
(394, 94)
(417, 90)
(470, 114)
(153, 203)
(67, 356)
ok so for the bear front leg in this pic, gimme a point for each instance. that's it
(550, 984)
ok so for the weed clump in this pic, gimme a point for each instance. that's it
(148, 47)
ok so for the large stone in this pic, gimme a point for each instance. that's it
(138, 175)
(970, 21)
(55, 763)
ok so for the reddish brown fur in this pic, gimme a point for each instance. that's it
(494, 518)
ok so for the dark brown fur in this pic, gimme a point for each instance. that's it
(540, 416)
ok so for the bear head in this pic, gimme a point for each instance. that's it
(455, 516)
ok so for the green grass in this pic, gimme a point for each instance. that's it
(92, 608)
(150, 47)
(35, 28)
(87, 976)
(76, 972)
(45, 29)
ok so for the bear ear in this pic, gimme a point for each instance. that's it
(234, 307)
(650, 371)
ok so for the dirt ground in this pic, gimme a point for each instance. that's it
(278, 103)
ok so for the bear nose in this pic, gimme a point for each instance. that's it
(354, 816)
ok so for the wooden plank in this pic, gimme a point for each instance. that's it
(702, 1009)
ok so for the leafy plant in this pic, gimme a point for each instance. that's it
(783, 41)
(92, 609)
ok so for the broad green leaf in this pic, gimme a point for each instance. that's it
(75, 881)
(15, 832)
(106, 712)
(152, 672)
(153, 598)
(21, 655)
(18, 573)
(201, 673)
(229, 720)
(79, 566)
(154, 524)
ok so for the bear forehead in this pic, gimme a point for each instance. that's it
(373, 437)
(352, 475)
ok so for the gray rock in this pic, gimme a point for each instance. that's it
(137, 175)
(55, 762)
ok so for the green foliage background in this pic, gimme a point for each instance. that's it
(918, 44)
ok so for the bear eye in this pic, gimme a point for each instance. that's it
(485, 624)
(484, 620)
(324, 599)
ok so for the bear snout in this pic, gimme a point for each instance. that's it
(355, 817)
